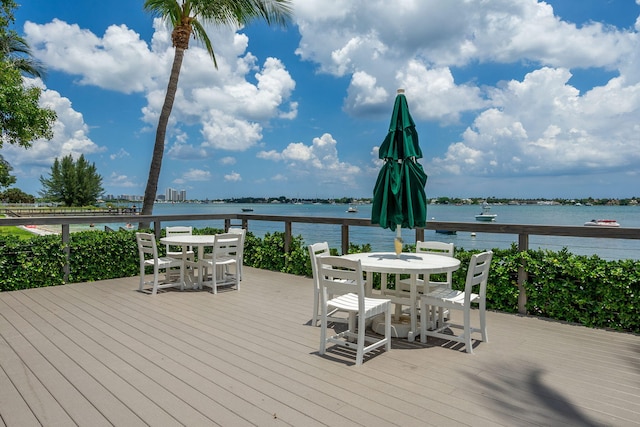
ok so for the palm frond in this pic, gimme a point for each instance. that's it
(201, 34)
(16, 51)
(169, 10)
(276, 12)
(241, 12)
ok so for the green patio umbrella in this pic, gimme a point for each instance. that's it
(399, 199)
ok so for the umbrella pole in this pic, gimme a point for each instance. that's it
(398, 240)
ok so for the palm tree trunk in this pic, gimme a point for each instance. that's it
(158, 149)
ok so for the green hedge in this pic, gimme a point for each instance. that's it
(586, 290)
(30, 263)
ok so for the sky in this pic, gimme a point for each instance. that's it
(511, 98)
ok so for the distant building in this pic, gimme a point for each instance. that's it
(173, 195)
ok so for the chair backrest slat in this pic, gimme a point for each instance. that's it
(435, 247)
(316, 250)
(478, 274)
(227, 244)
(147, 244)
(178, 230)
(340, 276)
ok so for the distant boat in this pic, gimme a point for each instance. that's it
(247, 209)
(485, 215)
(602, 223)
(352, 209)
(447, 231)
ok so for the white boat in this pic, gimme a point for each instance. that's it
(485, 215)
(602, 223)
(352, 209)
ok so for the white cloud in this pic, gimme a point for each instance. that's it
(120, 154)
(229, 109)
(417, 47)
(434, 94)
(533, 125)
(269, 155)
(228, 160)
(196, 175)
(233, 177)
(71, 137)
(224, 131)
(119, 180)
(561, 132)
(118, 60)
(318, 160)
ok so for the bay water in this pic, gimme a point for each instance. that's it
(382, 239)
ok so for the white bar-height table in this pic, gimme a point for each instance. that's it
(406, 263)
(198, 241)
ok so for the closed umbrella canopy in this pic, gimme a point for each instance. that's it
(399, 199)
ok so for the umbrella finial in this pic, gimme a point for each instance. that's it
(400, 91)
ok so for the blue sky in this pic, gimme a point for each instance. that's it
(511, 98)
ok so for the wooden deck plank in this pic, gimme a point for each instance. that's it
(171, 368)
(231, 316)
(159, 327)
(14, 409)
(250, 328)
(36, 353)
(230, 322)
(73, 360)
(250, 358)
(115, 373)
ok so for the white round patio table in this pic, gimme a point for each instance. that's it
(189, 240)
(413, 264)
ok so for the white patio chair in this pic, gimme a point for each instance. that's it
(148, 251)
(226, 255)
(429, 247)
(177, 231)
(317, 250)
(459, 300)
(243, 233)
(343, 277)
(171, 252)
(436, 248)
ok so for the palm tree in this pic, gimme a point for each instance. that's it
(187, 18)
(15, 50)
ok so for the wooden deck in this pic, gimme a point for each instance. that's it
(104, 354)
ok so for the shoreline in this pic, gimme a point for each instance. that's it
(40, 230)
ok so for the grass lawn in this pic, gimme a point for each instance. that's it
(15, 231)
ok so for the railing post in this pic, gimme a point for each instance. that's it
(67, 252)
(345, 239)
(419, 234)
(227, 224)
(157, 229)
(523, 245)
(287, 236)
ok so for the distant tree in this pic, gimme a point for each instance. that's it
(22, 120)
(72, 183)
(187, 18)
(15, 195)
(6, 12)
(5, 173)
